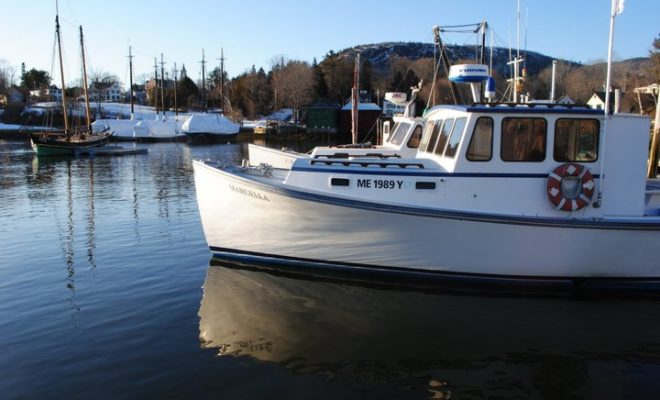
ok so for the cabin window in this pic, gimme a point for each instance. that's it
(428, 128)
(524, 139)
(576, 140)
(416, 136)
(455, 137)
(399, 133)
(434, 136)
(481, 142)
(444, 137)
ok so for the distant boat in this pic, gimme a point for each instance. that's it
(123, 128)
(210, 127)
(160, 130)
(69, 141)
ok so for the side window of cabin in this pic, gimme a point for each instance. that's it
(434, 136)
(416, 136)
(399, 133)
(576, 140)
(426, 136)
(444, 137)
(455, 138)
(524, 139)
(481, 142)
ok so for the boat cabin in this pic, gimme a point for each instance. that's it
(525, 160)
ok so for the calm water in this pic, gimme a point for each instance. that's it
(107, 291)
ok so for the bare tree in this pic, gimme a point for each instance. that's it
(295, 84)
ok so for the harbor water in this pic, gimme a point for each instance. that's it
(108, 290)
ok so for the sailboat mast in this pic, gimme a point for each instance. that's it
(130, 77)
(59, 48)
(84, 70)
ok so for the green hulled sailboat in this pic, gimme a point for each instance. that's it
(69, 141)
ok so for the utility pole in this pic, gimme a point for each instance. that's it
(130, 74)
(222, 79)
(355, 100)
(156, 85)
(204, 81)
(162, 86)
(176, 108)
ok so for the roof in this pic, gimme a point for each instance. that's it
(362, 106)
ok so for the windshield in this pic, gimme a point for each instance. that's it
(400, 130)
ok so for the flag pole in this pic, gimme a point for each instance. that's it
(616, 9)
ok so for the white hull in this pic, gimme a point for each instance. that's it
(259, 217)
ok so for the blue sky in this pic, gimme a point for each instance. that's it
(253, 32)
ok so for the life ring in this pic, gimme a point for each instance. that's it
(570, 187)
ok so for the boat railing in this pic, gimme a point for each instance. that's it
(347, 155)
(532, 105)
(366, 163)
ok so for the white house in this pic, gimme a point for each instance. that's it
(52, 93)
(106, 91)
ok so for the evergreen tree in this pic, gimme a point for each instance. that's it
(366, 76)
(654, 55)
(320, 86)
(186, 92)
(34, 79)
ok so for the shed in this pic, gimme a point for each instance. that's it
(368, 114)
(322, 118)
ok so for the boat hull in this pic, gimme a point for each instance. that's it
(203, 138)
(56, 144)
(252, 218)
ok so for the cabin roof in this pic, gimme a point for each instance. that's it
(521, 108)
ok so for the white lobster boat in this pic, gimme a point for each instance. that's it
(495, 192)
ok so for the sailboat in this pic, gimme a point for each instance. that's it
(71, 140)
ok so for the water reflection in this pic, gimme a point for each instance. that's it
(434, 344)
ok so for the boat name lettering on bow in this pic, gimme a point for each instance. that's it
(249, 193)
(379, 183)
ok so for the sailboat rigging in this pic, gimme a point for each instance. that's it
(70, 140)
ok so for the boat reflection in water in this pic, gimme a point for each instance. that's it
(459, 344)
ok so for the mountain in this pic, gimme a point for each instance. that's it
(379, 55)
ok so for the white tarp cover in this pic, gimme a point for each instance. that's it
(209, 123)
